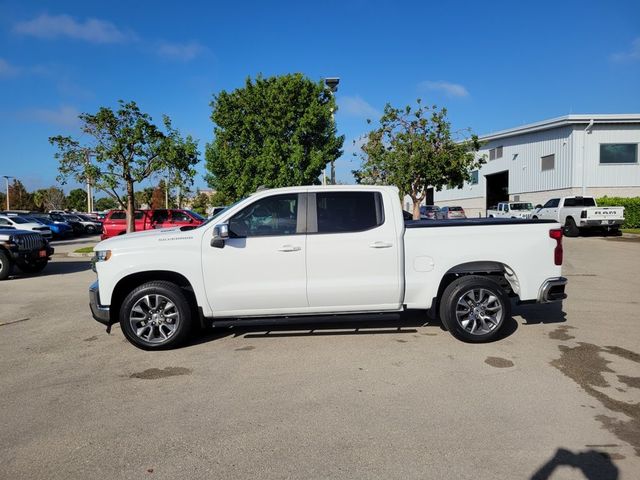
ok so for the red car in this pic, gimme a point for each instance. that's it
(115, 222)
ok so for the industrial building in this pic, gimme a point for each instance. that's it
(570, 155)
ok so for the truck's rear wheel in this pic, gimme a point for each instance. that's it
(156, 315)
(474, 308)
(570, 228)
(5, 266)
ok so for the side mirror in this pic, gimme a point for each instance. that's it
(538, 206)
(220, 234)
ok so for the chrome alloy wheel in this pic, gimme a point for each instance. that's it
(479, 311)
(154, 318)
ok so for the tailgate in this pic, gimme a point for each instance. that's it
(605, 213)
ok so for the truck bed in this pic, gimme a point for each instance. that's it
(469, 222)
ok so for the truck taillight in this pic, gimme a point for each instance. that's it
(583, 214)
(556, 234)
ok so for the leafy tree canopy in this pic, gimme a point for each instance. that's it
(77, 200)
(275, 131)
(127, 148)
(413, 149)
(51, 198)
(105, 203)
(19, 197)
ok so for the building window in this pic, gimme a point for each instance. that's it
(618, 153)
(474, 177)
(548, 162)
(495, 153)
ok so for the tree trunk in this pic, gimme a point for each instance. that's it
(131, 223)
(416, 207)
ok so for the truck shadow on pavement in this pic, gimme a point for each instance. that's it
(540, 313)
(405, 323)
(594, 465)
(54, 268)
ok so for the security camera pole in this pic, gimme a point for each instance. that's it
(332, 84)
(6, 179)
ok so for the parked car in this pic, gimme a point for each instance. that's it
(580, 213)
(76, 226)
(58, 229)
(429, 212)
(26, 249)
(511, 210)
(89, 225)
(20, 223)
(450, 213)
(337, 251)
(115, 222)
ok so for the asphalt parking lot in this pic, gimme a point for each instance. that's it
(558, 397)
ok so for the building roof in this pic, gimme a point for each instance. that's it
(585, 119)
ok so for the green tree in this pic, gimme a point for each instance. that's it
(200, 203)
(77, 200)
(51, 198)
(414, 149)
(143, 197)
(158, 197)
(276, 132)
(105, 203)
(128, 148)
(19, 197)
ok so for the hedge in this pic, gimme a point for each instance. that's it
(631, 209)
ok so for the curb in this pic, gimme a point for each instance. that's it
(73, 254)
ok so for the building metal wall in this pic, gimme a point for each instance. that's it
(522, 158)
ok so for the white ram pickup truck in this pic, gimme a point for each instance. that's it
(577, 213)
(511, 210)
(325, 252)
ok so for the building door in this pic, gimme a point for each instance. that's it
(497, 188)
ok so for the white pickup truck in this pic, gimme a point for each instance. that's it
(511, 210)
(578, 213)
(323, 252)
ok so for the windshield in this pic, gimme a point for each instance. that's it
(18, 220)
(195, 215)
(208, 220)
(521, 206)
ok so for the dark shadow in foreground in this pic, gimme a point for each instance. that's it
(373, 324)
(305, 327)
(594, 465)
(54, 267)
(537, 313)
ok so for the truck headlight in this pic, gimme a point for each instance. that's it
(102, 256)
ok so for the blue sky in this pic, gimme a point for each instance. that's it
(494, 65)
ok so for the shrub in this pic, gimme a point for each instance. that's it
(631, 209)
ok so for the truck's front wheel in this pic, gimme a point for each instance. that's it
(474, 308)
(156, 315)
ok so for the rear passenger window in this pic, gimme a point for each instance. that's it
(117, 216)
(340, 212)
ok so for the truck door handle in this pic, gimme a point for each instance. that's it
(289, 248)
(381, 245)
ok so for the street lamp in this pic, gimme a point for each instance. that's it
(332, 85)
(6, 179)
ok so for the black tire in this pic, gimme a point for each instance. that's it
(90, 229)
(182, 327)
(458, 291)
(534, 218)
(570, 228)
(33, 267)
(5, 265)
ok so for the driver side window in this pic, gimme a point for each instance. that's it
(277, 215)
(553, 203)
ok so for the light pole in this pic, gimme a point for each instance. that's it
(88, 153)
(332, 84)
(6, 179)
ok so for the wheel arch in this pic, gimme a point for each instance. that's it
(126, 284)
(501, 272)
